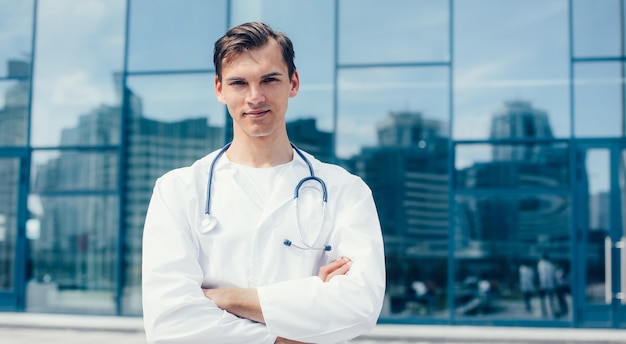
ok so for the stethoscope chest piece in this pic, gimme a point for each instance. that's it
(208, 223)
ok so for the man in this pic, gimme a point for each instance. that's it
(547, 283)
(527, 284)
(243, 261)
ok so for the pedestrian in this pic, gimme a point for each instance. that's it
(562, 289)
(527, 285)
(547, 284)
(260, 242)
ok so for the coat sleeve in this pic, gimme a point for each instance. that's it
(346, 306)
(175, 309)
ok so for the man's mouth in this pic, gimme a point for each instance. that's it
(256, 113)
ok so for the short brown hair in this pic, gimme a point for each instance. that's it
(249, 36)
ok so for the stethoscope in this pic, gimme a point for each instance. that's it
(210, 221)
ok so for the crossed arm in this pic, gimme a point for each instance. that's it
(244, 302)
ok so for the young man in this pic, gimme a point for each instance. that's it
(229, 254)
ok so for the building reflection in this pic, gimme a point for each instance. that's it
(525, 214)
(516, 225)
(408, 174)
(13, 132)
(14, 114)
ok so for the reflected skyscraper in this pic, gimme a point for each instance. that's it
(407, 173)
(13, 132)
(519, 120)
(304, 134)
(14, 114)
(516, 163)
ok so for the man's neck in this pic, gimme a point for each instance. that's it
(260, 152)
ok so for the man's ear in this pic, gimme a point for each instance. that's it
(218, 90)
(295, 84)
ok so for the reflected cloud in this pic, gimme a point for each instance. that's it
(401, 85)
(316, 87)
(492, 69)
(540, 11)
(78, 45)
(77, 89)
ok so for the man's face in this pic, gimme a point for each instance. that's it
(256, 87)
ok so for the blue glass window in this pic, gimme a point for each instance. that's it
(65, 170)
(14, 98)
(512, 166)
(73, 254)
(174, 35)
(80, 51)
(405, 31)
(499, 242)
(598, 100)
(393, 132)
(510, 51)
(596, 28)
(392, 106)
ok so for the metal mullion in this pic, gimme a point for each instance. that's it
(394, 65)
(96, 148)
(122, 173)
(75, 193)
(19, 78)
(451, 172)
(169, 72)
(598, 59)
(512, 192)
(507, 141)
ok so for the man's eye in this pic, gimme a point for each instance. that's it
(270, 79)
(237, 83)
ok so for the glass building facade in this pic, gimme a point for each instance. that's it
(491, 132)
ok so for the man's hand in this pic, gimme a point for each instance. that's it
(341, 266)
(242, 302)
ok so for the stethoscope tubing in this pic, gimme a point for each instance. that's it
(210, 221)
(207, 209)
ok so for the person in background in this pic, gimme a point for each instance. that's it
(562, 289)
(547, 283)
(527, 285)
(260, 242)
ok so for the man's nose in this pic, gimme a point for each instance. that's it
(256, 95)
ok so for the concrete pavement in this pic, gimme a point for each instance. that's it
(31, 328)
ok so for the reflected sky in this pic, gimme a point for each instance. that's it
(502, 50)
(80, 44)
(393, 32)
(597, 28)
(174, 35)
(510, 50)
(366, 97)
(171, 98)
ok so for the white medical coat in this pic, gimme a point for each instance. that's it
(246, 250)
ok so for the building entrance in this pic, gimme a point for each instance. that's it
(601, 179)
